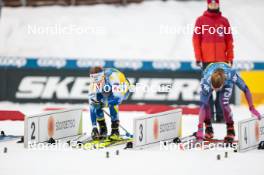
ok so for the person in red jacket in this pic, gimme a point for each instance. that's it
(213, 42)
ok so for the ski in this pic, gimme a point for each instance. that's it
(4, 138)
(191, 142)
(185, 139)
(90, 144)
(79, 139)
(221, 143)
(104, 143)
(184, 143)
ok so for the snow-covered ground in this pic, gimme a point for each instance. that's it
(140, 31)
(135, 31)
(148, 161)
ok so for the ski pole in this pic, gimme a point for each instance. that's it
(124, 129)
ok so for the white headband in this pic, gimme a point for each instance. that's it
(97, 76)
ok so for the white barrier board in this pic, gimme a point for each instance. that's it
(158, 127)
(250, 133)
(56, 124)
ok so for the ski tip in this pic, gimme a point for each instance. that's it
(129, 145)
(69, 142)
(176, 140)
(21, 140)
(3, 133)
(51, 141)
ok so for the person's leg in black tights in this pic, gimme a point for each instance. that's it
(219, 110)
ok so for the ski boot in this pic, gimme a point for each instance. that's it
(102, 129)
(229, 138)
(200, 133)
(209, 132)
(115, 131)
(95, 134)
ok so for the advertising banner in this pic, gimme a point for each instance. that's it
(254, 80)
(71, 86)
(59, 80)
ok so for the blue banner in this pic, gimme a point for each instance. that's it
(122, 64)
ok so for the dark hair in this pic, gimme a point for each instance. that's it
(218, 78)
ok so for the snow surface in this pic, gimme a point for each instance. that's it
(152, 160)
(125, 32)
(134, 31)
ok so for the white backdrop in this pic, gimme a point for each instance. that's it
(134, 31)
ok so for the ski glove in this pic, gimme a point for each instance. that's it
(97, 104)
(254, 112)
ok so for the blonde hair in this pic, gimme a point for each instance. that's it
(218, 78)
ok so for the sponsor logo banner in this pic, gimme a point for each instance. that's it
(253, 79)
(34, 85)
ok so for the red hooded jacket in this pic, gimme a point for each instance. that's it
(212, 38)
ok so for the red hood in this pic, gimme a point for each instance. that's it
(212, 15)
